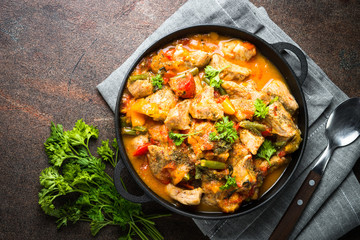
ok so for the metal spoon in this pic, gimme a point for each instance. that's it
(342, 128)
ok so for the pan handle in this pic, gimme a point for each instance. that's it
(121, 189)
(281, 46)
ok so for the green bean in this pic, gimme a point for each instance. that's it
(258, 127)
(193, 71)
(134, 131)
(279, 144)
(124, 122)
(186, 177)
(212, 164)
(138, 77)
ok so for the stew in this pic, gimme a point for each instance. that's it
(208, 121)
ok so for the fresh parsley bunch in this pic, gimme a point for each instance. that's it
(213, 75)
(76, 188)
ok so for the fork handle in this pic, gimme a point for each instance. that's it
(296, 207)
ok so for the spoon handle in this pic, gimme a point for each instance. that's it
(296, 207)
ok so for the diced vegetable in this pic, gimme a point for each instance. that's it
(134, 131)
(142, 150)
(184, 87)
(137, 119)
(138, 77)
(254, 126)
(212, 164)
(228, 106)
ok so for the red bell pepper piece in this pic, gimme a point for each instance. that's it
(142, 150)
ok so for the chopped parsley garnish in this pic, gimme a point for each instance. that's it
(225, 131)
(157, 81)
(179, 138)
(213, 75)
(261, 109)
(230, 182)
(266, 150)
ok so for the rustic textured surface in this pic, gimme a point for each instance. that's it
(54, 53)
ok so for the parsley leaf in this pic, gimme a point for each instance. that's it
(261, 110)
(78, 177)
(230, 182)
(179, 138)
(266, 150)
(225, 131)
(213, 75)
(157, 81)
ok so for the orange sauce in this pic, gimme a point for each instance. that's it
(262, 71)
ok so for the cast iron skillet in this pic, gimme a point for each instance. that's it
(271, 52)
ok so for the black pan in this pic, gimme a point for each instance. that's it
(271, 52)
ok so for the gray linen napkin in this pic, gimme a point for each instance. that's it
(334, 209)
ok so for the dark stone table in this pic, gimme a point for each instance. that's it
(54, 53)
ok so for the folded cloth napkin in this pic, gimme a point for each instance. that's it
(335, 207)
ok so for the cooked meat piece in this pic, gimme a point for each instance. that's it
(140, 88)
(211, 190)
(204, 106)
(178, 173)
(232, 72)
(280, 121)
(178, 117)
(229, 204)
(159, 133)
(239, 50)
(198, 59)
(137, 141)
(264, 168)
(235, 90)
(244, 173)
(294, 143)
(200, 142)
(245, 108)
(238, 152)
(278, 88)
(198, 86)
(186, 197)
(158, 158)
(253, 93)
(165, 99)
(251, 140)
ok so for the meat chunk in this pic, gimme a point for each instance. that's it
(239, 50)
(264, 168)
(200, 142)
(230, 72)
(294, 143)
(204, 106)
(251, 140)
(245, 108)
(235, 90)
(244, 173)
(158, 158)
(198, 59)
(198, 86)
(165, 99)
(159, 133)
(178, 117)
(186, 197)
(278, 88)
(229, 202)
(253, 93)
(280, 121)
(140, 88)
